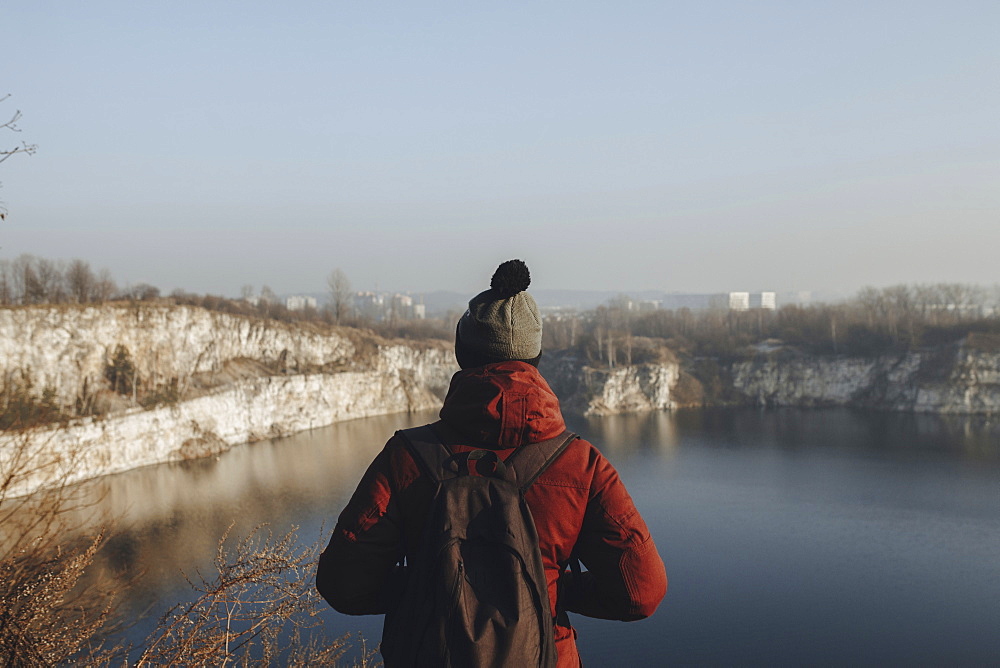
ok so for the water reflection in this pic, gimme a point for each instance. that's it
(974, 437)
(169, 518)
(622, 436)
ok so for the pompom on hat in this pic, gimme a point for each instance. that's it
(502, 323)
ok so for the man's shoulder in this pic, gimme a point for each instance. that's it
(396, 463)
(581, 465)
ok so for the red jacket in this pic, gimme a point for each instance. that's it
(578, 501)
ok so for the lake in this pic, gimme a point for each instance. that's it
(790, 537)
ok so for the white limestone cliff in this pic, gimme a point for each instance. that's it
(68, 348)
(343, 374)
(958, 379)
(600, 391)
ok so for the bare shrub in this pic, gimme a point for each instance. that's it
(252, 611)
(45, 618)
(256, 609)
(21, 408)
(121, 371)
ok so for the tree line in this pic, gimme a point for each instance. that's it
(30, 280)
(875, 321)
(33, 280)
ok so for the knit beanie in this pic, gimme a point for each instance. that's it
(502, 323)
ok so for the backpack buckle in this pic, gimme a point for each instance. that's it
(486, 464)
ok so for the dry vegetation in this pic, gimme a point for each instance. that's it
(256, 608)
(44, 619)
(253, 610)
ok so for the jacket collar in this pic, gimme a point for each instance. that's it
(502, 405)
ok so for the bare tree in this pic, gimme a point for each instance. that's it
(33, 280)
(5, 153)
(11, 125)
(872, 304)
(104, 288)
(80, 282)
(27, 289)
(143, 292)
(620, 322)
(51, 281)
(340, 294)
(6, 286)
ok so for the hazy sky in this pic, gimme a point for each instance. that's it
(612, 145)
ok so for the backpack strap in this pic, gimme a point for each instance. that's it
(530, 461)
(438, 463)
(428, 451)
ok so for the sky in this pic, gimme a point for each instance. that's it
(695, 147)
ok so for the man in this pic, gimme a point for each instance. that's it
(500, 402)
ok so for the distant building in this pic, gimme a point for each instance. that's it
(732, 301)
(265, 297)
(764, 300)
(363, 299)
(739, 301)
(694, 302)
(300, 303)
(384, 306)
(627, 304)
(644, 305)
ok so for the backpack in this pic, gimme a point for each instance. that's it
(475, 592)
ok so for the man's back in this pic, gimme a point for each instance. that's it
(577, 503)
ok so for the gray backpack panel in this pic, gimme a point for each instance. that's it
(476, 592)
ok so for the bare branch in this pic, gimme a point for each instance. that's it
(25, 147)
(12, 126)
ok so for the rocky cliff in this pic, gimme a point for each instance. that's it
(601, 391)
(68, 349)
(960, 378)
(240, 379)
(963, 378)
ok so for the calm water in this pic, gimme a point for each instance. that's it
(791, 537)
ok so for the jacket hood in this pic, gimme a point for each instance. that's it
(502, 405)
